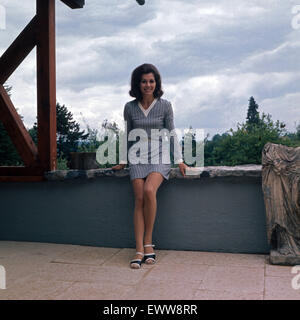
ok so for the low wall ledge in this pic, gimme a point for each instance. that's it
(248, 170)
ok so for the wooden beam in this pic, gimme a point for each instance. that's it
(16, 130)
(18, 50)
(74, 4)
(21, 178)
(21, 171)
(46, 84)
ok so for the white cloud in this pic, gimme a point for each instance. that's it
(281, 106)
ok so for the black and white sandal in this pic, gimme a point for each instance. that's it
(136, 263)
(149, 258)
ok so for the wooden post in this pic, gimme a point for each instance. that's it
(40, 32)
(46, 84)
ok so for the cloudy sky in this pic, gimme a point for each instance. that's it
(212, 54)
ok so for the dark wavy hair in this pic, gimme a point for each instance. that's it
(136, 77)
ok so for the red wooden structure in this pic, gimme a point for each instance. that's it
(40, 32)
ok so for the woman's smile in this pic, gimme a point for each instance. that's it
(148, 84)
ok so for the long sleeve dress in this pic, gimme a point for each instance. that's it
(148, 150)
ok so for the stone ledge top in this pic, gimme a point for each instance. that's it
(248, 170)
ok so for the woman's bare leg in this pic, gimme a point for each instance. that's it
(151, 186)
(138, 218)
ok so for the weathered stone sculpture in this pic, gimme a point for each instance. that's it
(281, 189)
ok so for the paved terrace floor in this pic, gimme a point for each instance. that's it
(46, 271)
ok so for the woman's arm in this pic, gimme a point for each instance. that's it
(123, 159)
(174, 144)
(123, 152)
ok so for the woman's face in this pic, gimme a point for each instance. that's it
(147, 84)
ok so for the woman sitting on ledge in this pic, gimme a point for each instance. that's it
(148, 111)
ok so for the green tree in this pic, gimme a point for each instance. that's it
(68, 135)
(8, 153)
(295, 136)
(68, 132)
(33, 133)
(244, 145)
(91, 143)
(252, 114)
(211, 157)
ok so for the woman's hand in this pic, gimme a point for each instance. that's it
(182, 167)
(119, 166)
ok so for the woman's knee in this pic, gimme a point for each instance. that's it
(149, 192)
(139, 201)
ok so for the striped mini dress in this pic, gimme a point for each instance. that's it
(144, 149)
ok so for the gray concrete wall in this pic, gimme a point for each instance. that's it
(223, 213)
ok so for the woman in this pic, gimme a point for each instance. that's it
(148, 111)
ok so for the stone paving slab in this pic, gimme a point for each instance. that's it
(86, 255)
(10, 248)
(60, 271)
(22, 265)
(88, 273)
(226, 295)
(213, 258)
(159, 289)
(31, 288)
(234, 279)
(278, 271)
(185, 273)
(104, 290)
(280, 288)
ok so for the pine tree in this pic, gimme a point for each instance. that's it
(253, 114)
(68, 134)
